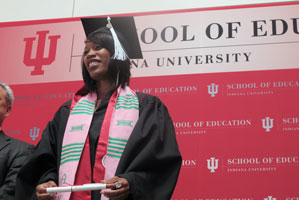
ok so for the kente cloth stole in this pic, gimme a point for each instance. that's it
(120, 119)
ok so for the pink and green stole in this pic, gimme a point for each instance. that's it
(121, 116)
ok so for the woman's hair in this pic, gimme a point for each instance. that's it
(9, 97)
(118, 72)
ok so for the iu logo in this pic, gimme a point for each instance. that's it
(270, 198)
(34, 133)
(212, 164)
(39, 59)
(213, 89)
(267, 123)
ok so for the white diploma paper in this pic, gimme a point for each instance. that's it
(76, 188)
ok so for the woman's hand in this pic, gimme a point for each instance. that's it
(120, 189)
(41, 191)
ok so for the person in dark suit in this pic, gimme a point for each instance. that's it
(12, 151)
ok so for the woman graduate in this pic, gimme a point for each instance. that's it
(107, 133)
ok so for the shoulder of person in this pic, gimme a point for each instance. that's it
(65, 107)
(67, 103)
(148, 99)
(19, 142)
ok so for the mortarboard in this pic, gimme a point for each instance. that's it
(123, 25)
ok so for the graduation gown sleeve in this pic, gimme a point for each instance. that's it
(151, 160)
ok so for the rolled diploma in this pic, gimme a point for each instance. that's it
(76, 188)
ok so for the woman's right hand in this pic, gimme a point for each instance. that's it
(41, 191)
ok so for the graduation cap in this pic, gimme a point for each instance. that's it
(117, 25)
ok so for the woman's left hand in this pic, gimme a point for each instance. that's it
(120, 188)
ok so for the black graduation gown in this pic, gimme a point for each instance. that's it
(150, 162)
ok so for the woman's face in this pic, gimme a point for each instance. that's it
(96, 60)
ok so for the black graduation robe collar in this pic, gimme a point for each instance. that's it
(83, 91)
